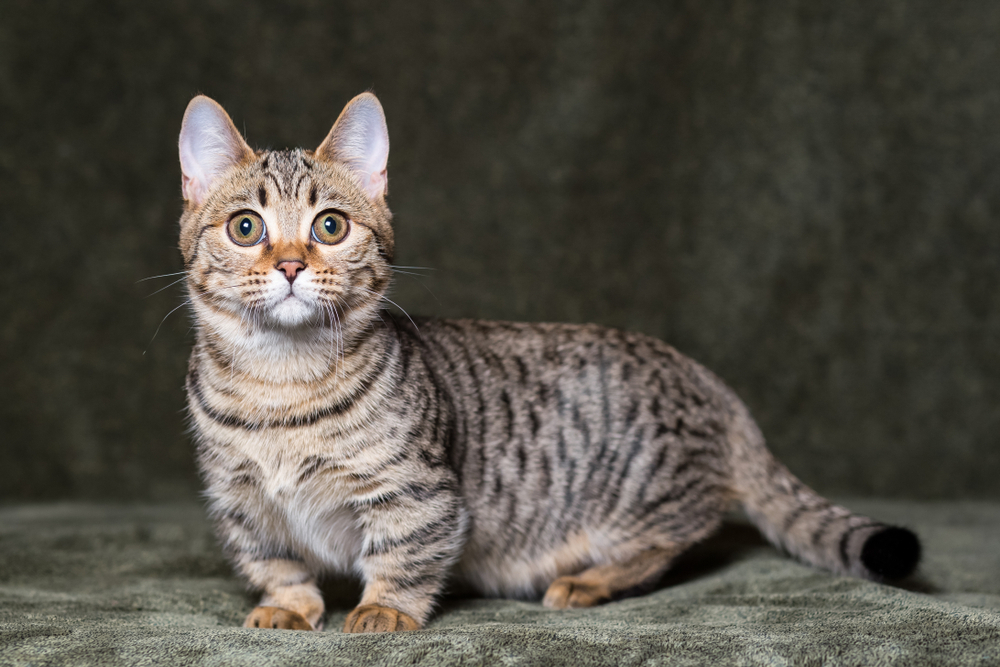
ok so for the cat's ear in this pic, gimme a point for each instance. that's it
(360, 139)
(209, 145)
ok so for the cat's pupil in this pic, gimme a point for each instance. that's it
(330, 224)
(246, 226)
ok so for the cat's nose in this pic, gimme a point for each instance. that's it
(291, 268)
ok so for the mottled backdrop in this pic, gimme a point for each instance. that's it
(802, 195)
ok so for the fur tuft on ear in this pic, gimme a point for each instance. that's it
(360, 140)
(209, 145)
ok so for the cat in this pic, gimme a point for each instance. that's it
(575, 462)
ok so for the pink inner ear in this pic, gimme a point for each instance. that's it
(190, 189)
(378, 185)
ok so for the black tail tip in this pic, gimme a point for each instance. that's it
(892, 553)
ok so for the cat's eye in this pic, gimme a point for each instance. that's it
(330, 227)
(245, 228)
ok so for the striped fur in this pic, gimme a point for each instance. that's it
(573, 461)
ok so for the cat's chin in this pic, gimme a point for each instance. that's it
(292, 312)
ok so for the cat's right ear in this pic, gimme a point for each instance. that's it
(209, 145)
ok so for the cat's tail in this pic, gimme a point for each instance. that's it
(796, 518)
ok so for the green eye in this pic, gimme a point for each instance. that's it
(246, 228)
(330, 227)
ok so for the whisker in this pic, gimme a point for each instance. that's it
(417, 275)
(421, 268)
(180, 280)
(339, 332)
(388, 300)
(164, 275)
(329, 316)
(184, 303)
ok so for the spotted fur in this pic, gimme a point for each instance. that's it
(573, 461)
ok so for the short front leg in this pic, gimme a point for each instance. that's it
(412, 536)
(291, 599)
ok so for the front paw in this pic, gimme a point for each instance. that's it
(376, 618)
(277, 618)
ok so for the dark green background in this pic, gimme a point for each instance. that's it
(801, 195)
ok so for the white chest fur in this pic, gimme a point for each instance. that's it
(326, 536)
(311, 518)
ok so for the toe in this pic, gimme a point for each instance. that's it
(275, 618)
(376, 618)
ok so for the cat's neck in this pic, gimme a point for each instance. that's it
(281, 355)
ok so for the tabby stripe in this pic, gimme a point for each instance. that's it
(409, 582)
(427, 535)
(277, 184)
(494, 362)
(522, 371)
(197, 247)
(509, 414)
(526, 532)
(568, 489)
(414, 491)
(312, 465)
(239, 518)
(480, 407)
(602, 367)
(675, 494)
(637, 443)
(581, 425)
(340, 407)
(685, 519)
(824, 523)
(795, 514)
(298, 184)
(691, 458)
(844, 556)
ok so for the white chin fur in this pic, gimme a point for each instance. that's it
(292, 312)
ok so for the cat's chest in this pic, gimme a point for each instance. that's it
(302, 496)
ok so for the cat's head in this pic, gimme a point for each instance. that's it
(285, 239)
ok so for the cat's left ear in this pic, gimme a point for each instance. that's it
(360, 140)
(209, 145)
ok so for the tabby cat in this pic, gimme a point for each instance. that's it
(572, 461)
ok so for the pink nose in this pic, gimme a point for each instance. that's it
(291, 268)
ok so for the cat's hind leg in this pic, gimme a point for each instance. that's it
(604, 582)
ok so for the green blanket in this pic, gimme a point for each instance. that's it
(138, 585)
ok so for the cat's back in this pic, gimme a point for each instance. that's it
(555, 367)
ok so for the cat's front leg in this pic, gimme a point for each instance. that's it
(413, 534)
(291, 599)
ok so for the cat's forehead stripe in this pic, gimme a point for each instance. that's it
(286, 171)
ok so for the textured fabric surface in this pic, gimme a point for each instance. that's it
(800, 194)
(145, 585)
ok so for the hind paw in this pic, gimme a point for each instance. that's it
(573, 592)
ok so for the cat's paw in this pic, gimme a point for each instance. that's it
(376, 618)
(573, 592)
(277, 618)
